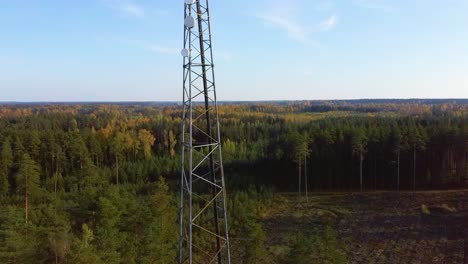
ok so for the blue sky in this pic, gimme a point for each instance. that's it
(114, 50)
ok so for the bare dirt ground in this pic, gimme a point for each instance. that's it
(379, 227)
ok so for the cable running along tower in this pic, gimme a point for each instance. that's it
(203, 233)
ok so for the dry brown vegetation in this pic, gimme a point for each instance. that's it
(378, 227)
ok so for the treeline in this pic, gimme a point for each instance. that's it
(377, 152)
(262, 144)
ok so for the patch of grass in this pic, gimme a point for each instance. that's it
(319, 248)
(278, 250)
(448, 208)
(425, 209)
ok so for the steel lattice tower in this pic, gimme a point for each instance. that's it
(203, 233)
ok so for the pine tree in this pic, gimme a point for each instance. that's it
(359, 146)
(398, 144)
(117, 149)
(16, 238)
(6, 162)
(255, 251)
(52, 232)
(417, 140)
(18, 151)
(78, 151)
(300, 153)
(161, 239)
(27, 182)
(82, 250)
(229, 151)
(108, 237)
(34, 144)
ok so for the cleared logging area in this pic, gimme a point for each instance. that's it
(379, 227)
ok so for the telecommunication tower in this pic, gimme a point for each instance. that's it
(203, 233)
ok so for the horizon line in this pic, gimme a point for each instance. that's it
(222, 101)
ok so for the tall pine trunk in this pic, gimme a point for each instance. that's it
(360, 169)
(414, 169)
(26, 194)
(299, 177)
(55, 180)
(398, 170)
(117, 168)
(305, 178)
(375, 172)
(57, 165)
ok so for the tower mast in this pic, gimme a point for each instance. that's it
(203, 233)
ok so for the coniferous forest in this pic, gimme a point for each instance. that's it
(98, 183)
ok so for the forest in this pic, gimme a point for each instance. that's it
(97, 182)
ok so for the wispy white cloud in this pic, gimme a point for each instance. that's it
(373, 4)
(293, 29)
(127, 7)
(298, 19)
(297, 31)
(328, 23)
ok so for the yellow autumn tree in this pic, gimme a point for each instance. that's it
(147, 140)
